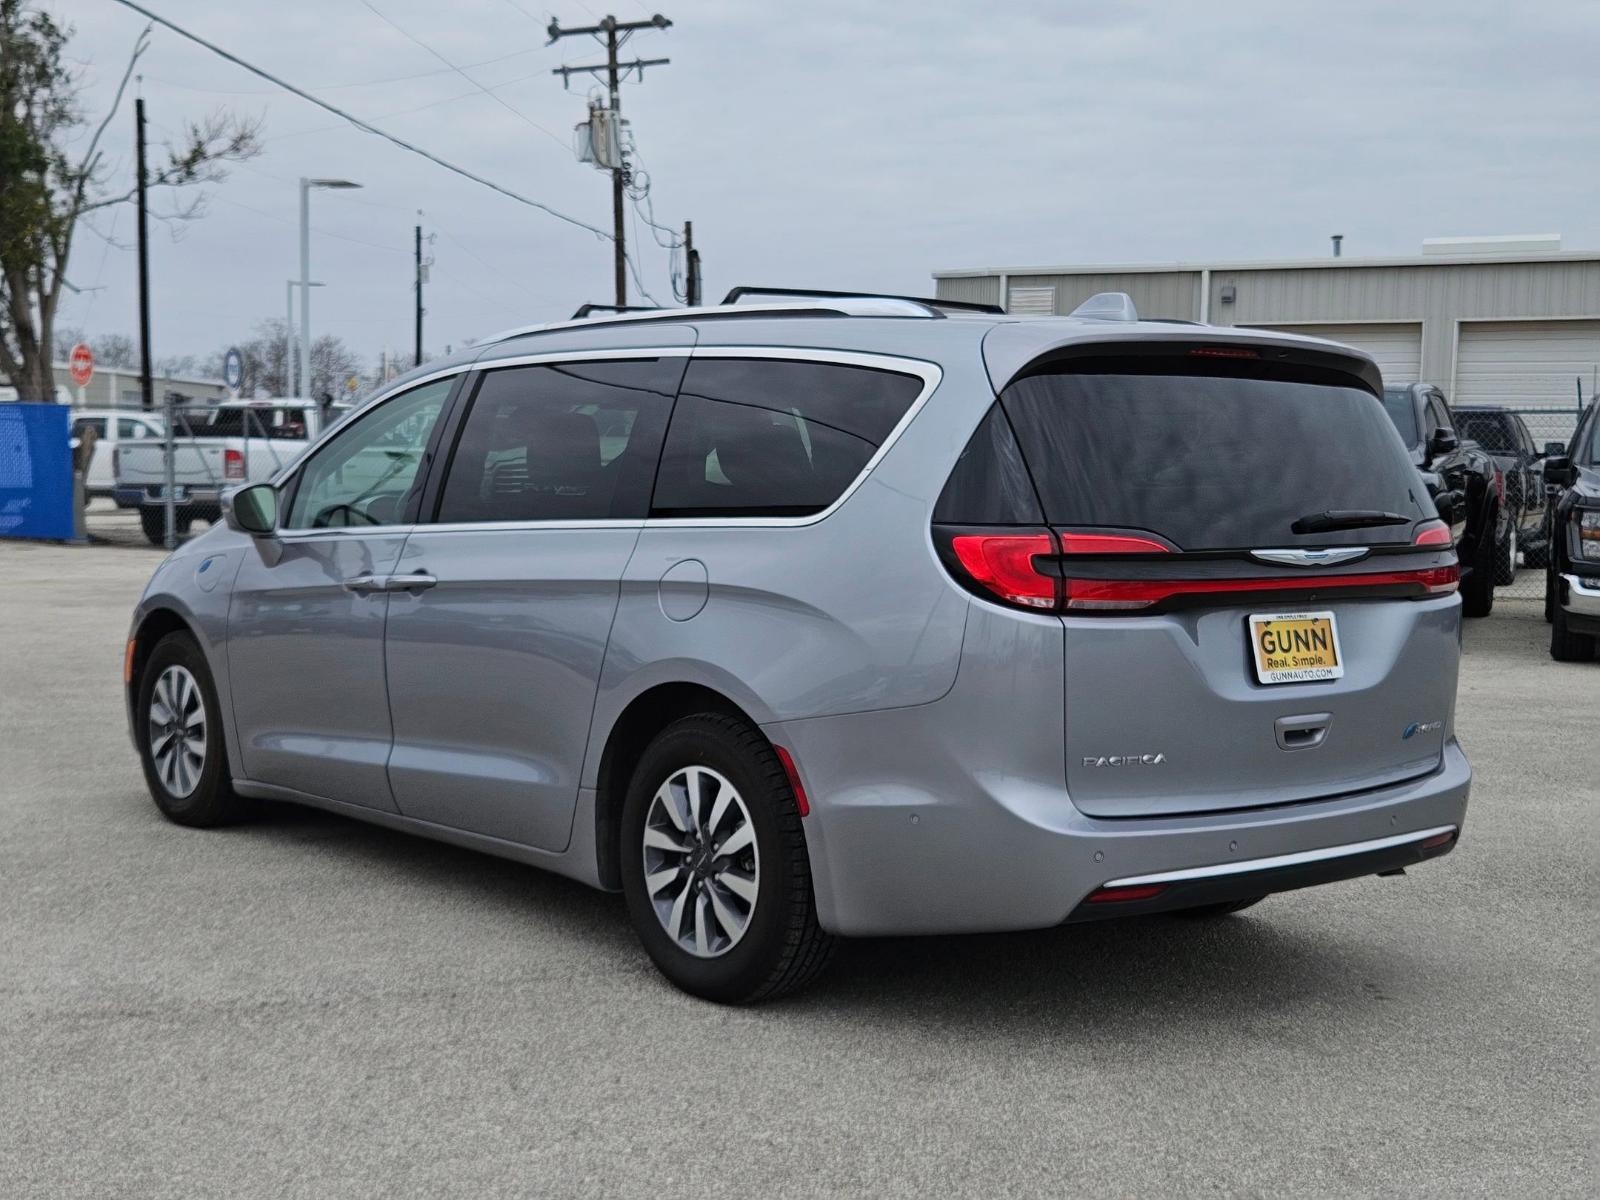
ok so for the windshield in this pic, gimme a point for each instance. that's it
(1397, 403)
(1492, 431)
(1213, 462)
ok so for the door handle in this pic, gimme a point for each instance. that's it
(416, 582)
(389, 583)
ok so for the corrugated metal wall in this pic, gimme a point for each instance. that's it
(1439, 296)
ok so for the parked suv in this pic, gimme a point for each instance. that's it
(1572, 581)
(1503, 434)
(1466, 486)
(838, 616)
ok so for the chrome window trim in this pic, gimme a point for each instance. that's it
(930, 373)
(1280, 860)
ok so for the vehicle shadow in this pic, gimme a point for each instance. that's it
(1143, 977)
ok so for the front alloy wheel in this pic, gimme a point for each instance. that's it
(177, 730)
(702, 866)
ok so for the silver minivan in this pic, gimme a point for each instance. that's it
(823, 615)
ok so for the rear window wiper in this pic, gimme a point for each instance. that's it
(1346, 518)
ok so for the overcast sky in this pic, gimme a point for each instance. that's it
(838, 144)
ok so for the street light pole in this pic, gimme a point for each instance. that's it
(306, 185)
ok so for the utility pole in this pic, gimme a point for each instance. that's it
(613, 34)
(147, 400)
(691, 267)
(417, 359)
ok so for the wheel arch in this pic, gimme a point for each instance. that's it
(646, 715)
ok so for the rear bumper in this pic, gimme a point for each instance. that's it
(926, 843)
(1220, 883)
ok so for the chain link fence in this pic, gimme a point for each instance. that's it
(158, 490)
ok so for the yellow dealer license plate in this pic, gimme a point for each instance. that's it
(1296, 647)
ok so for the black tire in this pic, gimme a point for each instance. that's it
(212, 801)
(1505, 558)
(783, 948)
(1565, 645)
(154, 523)
(1477, 590)
(1226, 908)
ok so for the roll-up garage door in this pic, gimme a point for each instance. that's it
(1395, 346)
(1534, 364)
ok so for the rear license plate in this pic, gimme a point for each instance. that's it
(179, 493)
(1296, 647)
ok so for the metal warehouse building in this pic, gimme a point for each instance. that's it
(1490, 320)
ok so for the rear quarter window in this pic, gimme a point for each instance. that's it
(769, 437)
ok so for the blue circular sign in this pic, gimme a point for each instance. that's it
(233, 369)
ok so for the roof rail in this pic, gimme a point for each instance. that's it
(847, 306)
(589, 309)
(939, 307)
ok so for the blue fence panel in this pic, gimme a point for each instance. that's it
(35, 472)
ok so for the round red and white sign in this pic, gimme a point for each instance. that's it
(82, 364)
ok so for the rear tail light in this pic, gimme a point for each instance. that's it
(232, 464)
(1432, 533)
(1500, 485)
(1004, 564)
(1028, 568)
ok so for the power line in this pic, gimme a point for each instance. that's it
(359, 83)
(365, 126)
(500, 100)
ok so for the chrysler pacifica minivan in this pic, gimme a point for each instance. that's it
(811, 615)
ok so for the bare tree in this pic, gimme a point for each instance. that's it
(45, 191)
(114, 350)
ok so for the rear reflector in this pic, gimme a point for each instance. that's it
(1109, 895)
(1003, 563)
(1438, 839)
(127, 661)
(798, 788)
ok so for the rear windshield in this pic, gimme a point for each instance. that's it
(1213, 463)
(1490, 430)
(1397, 402)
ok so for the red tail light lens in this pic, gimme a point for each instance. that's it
(232, 464)
(1500, 485)
(1432, 533)
(1003, 563)
(789, 769)
(1088, 595)
(1109, 543)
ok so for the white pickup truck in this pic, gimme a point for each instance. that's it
(214, 449)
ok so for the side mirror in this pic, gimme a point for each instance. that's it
(1554, 449)
(252, 510)
(1558, 470)
(1443, 441)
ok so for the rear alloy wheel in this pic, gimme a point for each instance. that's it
(180, 737)
(714, 864)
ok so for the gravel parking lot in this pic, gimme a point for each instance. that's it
(311, 1006)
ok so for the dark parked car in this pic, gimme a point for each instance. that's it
(1465, 485)
(1504, 434)
(1572, 580)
